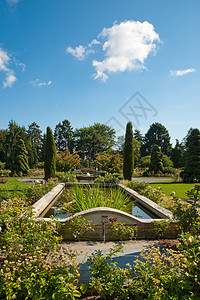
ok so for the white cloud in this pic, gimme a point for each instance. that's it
(4, 66)
(125, 46)
(12, 2)
(38, 83)
(10, 79)
(79, 52)
(182, 72)
(23, 66)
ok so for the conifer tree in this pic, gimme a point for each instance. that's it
(191, 171)
(128, 167)
(156, 164)
(49, 155)
(20, 158)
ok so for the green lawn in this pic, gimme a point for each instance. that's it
(178, 187)
(13, 188)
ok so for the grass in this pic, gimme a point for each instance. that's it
(178, 187)
(13, 184)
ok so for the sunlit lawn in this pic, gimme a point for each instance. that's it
(179, 188)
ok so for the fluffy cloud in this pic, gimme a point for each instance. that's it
(182, 72)
(125, 46)
(4, 66)
(79, 52)
(11, 2)
(38, 83)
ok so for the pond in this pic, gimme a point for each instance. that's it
(79, 198)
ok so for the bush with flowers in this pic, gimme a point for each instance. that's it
(32, 264)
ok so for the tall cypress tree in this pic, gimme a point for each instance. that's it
(191, 171)
(20, 158)
(128, 167)
(49, 155)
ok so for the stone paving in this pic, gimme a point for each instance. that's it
(131, 250)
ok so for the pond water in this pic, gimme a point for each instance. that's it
(137, 211)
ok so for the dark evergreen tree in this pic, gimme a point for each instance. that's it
(156, 135)
(93, 140)
(20, 158)
(191, 171)
(177, 155)
(49, 155)
(63, 136)
(128, 167)
(156, 164)
(138, 136)
(35, 135)
(3, 154)
(32, 154)
(14, 134)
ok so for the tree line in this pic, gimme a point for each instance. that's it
(17, 143)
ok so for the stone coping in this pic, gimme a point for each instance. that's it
(43, 204)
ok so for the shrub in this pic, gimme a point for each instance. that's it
(108, 162)
(79, 226)
(108, 178)
(32, 264)
(65, 161)
(66, 177)
(122, 231)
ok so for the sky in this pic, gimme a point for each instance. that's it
(101, 61)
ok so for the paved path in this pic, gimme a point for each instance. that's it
(150, 179)
(130, 251)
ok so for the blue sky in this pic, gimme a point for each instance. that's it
(100, 61)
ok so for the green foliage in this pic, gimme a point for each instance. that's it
(187, 217)
(109, 162)
(50, 155)
(145, 161)
(128, 167)
(160, 227)
(83, 198)
(66, 162)
(106, 278)
(2, 165)
(166, 161)
(79, 226)
(32, 264)
(35, 135)
(192, 167)
(122, 231)
(156, 135)
(143, 188)
(156, 164)
(94, 139)
(20, 158)
(37, 191)
(108, 178)
(66, 177)
(177, 154)
(63, 135)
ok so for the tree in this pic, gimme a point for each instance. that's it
(3, 154)
(136, 151)
(32, 154)
(191, 171)
(128, 167)
(138, 136)
(65, 161)
(156, 164)
(49, 155)
(178, 154)
(167, 162)
(145, 161)
(93, 140)
(156, 135)
(14, 134)
(35, 135)
(63, 135)
(109, 162)
(20, 158)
